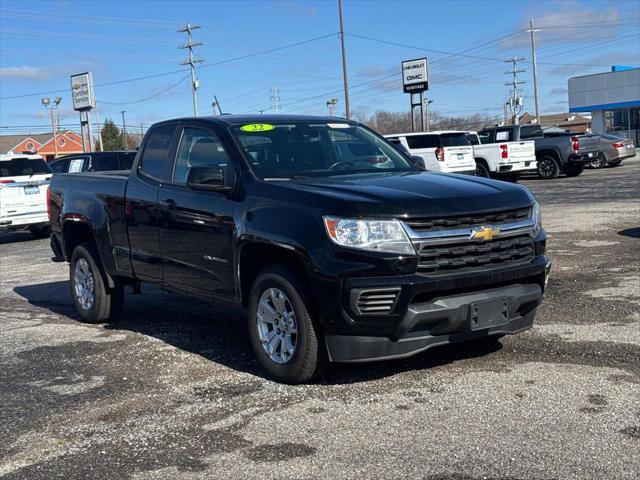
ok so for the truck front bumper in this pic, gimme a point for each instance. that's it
(444, 320)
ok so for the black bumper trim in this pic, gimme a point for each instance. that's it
(446, 320)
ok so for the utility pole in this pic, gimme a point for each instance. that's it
(515, 101)
(274, 99)
(124, 130)
(344, 64)
(215, 106)
(99, 129)
(535, 68)
(192, 62)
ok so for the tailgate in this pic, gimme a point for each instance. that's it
(457, 156)
(23, 197)
(521, 151)
(589, 143)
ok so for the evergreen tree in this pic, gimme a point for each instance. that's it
(111, 136)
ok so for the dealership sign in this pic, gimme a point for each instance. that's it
(82, 91)
(415, 76)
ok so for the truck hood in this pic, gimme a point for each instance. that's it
(411, 194)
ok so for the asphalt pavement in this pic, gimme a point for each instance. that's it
(172, 390)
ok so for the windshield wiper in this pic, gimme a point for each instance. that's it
(288, 177)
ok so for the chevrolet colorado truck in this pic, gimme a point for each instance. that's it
(564, 153)
(338, 245)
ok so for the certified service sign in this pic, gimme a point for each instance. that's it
(415, 75)
(82, 91)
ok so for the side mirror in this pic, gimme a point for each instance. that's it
(419, 161)
(210, 177)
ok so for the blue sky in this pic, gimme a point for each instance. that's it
(43, 42)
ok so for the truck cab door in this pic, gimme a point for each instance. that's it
(141, 202)
(196, 232)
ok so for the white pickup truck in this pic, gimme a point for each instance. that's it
(503, 160)
(24, 181)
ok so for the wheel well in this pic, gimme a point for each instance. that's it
(482, 161)
(550, 153)
(76, 233)
(257, 256)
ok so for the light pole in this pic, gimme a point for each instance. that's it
(46, 102)
(426, 112)
(330, 104)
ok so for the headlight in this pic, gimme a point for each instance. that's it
(537, 217)
(375, 235)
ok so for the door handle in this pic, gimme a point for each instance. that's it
(169, 202)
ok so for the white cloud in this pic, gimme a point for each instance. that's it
(571, 23)
(599, 62)
(24, 72)
(558, 91)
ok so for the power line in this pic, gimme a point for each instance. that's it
(157, 94)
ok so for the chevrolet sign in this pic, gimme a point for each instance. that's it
(82, 91)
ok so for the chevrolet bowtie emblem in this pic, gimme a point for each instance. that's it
(484, 233)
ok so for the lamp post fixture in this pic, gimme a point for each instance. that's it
(46, 103)
(330, 105)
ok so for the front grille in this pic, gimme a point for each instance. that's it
(378, 301)
(468, 221)
(476, 255)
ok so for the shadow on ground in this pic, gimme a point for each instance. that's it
(219, 334)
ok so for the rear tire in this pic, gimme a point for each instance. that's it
(94, 301)
(41, 232)
(574, 170)
(482, 170)
(548, 167)
(284, 337)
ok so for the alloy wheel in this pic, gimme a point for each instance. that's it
(83, 284)
(276, 324)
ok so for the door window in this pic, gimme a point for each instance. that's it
(530, 132)
(156, 151)
(504, 135)
(198, 148)
(102, 163)
(484, 137)
(60, 166)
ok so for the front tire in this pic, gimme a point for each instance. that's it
(282, 332)
(548, 167)
(599, 162)
(573, 170)
(94, 301)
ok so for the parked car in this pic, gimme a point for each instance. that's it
(503, 161)
(94, 162)
(334, 259)
(24, 180)
(614, 150)
(444, 151)
(555, 152)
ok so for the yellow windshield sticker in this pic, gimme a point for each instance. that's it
(257, 127)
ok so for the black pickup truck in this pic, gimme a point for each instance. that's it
(338, 245)
(556, 153)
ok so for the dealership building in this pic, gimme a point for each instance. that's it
(613, 98)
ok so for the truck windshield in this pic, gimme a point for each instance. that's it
(18, 167)
(300, 149)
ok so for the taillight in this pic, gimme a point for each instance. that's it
(7, 181)
(49, 204)
(575, 144)
(503, 151)
(618, 145)
(440, 154)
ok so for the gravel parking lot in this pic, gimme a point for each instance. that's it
(172, 391)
